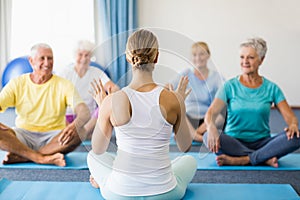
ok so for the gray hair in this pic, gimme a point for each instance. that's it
(259, 44)
(84, 45)
(35, 48)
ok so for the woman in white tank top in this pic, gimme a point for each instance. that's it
(143, 115)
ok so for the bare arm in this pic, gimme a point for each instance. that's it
(89, 126)
(214, 110)
(220, 122)
(184, 132)
(103, 129)
(289, 118)
(82, 115)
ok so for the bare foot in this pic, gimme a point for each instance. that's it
(93, 182)
(272, 162)
(229, 160)
(11, 158)
(56, 159)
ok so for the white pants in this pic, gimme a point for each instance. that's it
(100, 166)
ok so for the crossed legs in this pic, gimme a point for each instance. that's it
(101, 166)
(265, 151)
(51, 153)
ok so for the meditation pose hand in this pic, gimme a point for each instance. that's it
(292, 130)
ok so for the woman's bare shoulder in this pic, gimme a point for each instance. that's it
(169, 98)
(121, 108)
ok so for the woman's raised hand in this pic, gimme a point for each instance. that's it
(99, 92)
(181, 88)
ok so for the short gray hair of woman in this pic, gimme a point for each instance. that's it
(84, 45)
(258, 44)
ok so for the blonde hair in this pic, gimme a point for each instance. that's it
(259, 44)
(202, 45)
(142, 49)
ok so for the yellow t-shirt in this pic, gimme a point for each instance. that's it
(39, 107)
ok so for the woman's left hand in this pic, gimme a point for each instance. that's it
(291, 131)
(99, 92)
(181, 90)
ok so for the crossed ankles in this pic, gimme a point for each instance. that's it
(56, 159)
(242, 160)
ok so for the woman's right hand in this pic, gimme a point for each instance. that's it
(213, 139)
(99, 93)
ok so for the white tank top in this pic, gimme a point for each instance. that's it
(142, 166)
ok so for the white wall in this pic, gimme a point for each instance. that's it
(223, 25)
(59, 23)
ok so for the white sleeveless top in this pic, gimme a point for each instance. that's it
(142, 166)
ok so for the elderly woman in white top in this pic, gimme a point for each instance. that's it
(82, 74)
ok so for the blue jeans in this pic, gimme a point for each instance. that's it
(259, 151)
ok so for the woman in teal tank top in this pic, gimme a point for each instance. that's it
(248, 99)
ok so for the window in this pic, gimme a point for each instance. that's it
(58, 23)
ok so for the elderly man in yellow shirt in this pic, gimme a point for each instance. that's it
(41, 99)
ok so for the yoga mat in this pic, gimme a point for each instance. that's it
(74, 160)
(86, 143)
(31, 190)
(77, 160)
(194, 143)
(36, 190)
(240, 192)
(206, 161)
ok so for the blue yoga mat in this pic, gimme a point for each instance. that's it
(194, 143)
(86, 143)
(74, 160)
(240, 192)
(207, 161)
(36, 190)
(77, 160)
